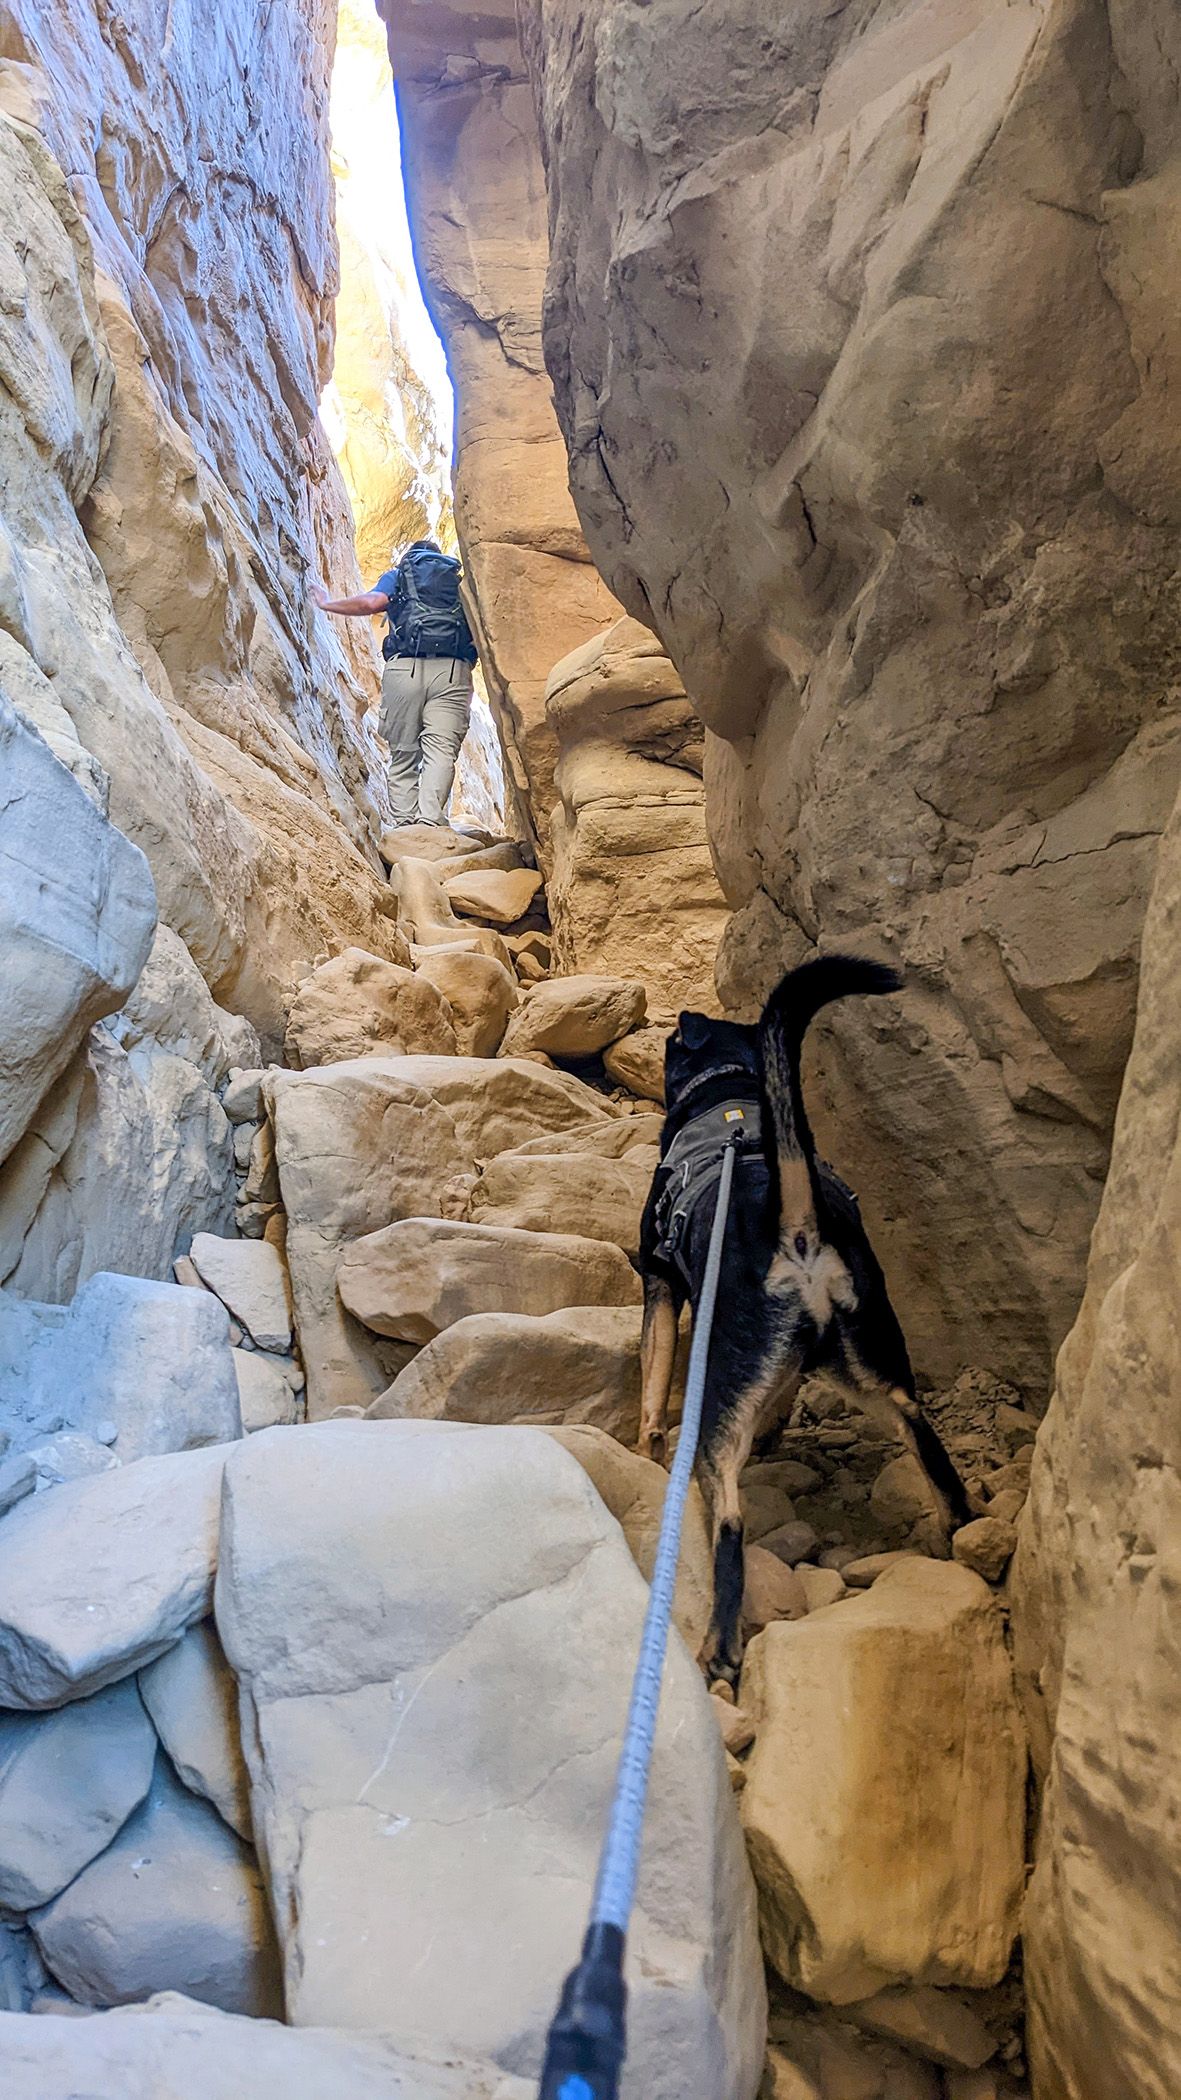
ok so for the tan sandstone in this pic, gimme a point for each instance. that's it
(418, 1275)
(359, 1005)
(886, 1823)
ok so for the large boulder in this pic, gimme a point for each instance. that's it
(603, 1199)
(359, 1144)
(431, 1628)
(177, 2050)
(175, 1903)
(419, 1275)
(884, 1805)
(636, 1062)
(574, 1016)
(581, 1364)
(480, 992)
(136, 1571)
(77, 914)
(359, 1005)
(148, 1364)
(68, 1782)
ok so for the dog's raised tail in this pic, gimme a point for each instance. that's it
(785, 1020)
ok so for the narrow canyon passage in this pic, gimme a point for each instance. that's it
(797, 390)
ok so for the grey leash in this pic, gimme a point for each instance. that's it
(587, 2039)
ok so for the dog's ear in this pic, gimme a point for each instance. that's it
(693, 1030)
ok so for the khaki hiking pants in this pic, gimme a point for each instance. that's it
(425, 705)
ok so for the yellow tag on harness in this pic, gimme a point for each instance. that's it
(735, 1115)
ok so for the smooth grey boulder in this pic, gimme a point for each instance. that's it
(68, 1782)
(265, 1396)
(151, 1360)
(101, 1576)
(77, 914)
(175, 1903)
(432, 1626)
(175, 2050)
(193, 1700)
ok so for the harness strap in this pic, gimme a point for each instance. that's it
(588, 2037)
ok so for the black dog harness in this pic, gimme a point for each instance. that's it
(692, 1168)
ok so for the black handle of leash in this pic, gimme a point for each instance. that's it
(588, 2036)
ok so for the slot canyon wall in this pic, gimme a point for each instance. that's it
(862, 328)
(863, 325)
(601, 745)
(166, 490)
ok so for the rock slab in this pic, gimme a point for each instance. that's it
(102, 1575)
(419, 1275)
(426, 1623)
(885, 1803)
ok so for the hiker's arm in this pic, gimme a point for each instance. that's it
(361, 607)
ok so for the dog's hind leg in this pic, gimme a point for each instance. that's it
(724, 1453)
(885, 1390)
(658, 1348)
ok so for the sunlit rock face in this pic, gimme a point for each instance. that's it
(387, 409)
(168, 490)
(477, 203)
(1094, 1602)
(862, 324)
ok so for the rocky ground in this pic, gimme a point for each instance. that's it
(321, 1581)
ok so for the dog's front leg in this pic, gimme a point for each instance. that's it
(658, 1348)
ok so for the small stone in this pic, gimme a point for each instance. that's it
(738, 1730)
(1008, 1505)
(264, 1394)
(821, 1586)
(772, 1591)
(242, 1098)
(724, 1692)
(935, 2024)
(987, 1545)
(244, 1136)
(737, 1772)
(1015, 1425)
(791, 1542)
(839, 1557)
(1014, 1475)
(192, 1698)
(69, 1456)
(861, 1574)
(106, 1431)
(251, 1281)
(185, 1272)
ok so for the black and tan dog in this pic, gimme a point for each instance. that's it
(800, 1287)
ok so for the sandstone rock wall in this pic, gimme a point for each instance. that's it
(862, 324)
(1094, 1591)
(477, 202)
(168, 490)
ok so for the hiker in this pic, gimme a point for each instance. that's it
(426, 688)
